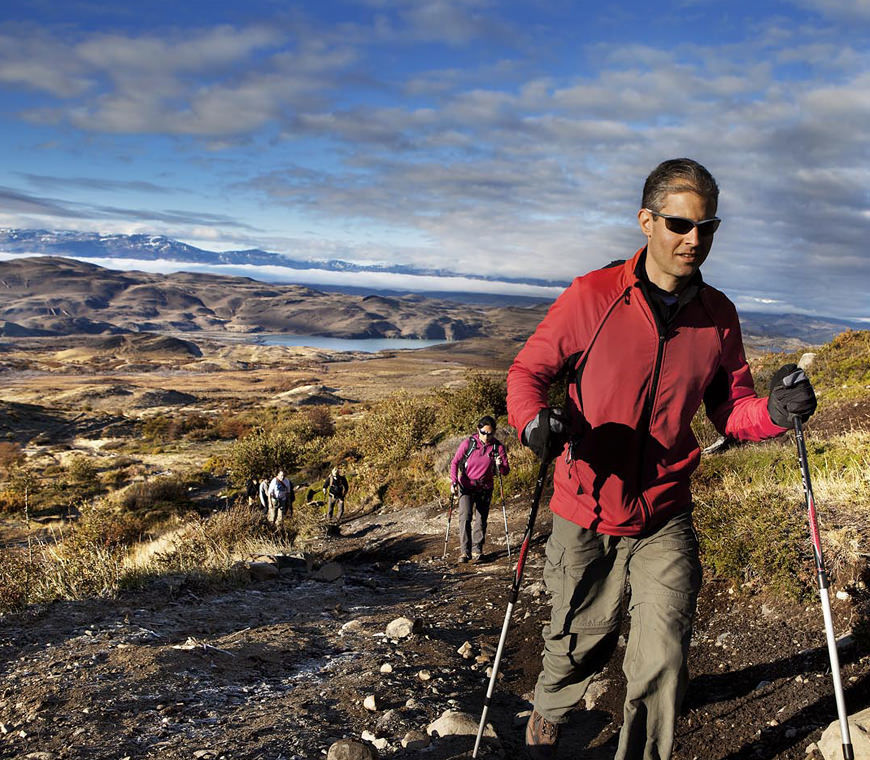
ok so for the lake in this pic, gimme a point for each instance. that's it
(366, 345)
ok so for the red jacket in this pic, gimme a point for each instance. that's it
(633, 451)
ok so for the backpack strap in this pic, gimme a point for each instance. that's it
(472, 445)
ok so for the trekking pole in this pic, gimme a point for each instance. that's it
(848, 754)
(507, 536)
(514, 592)
(447, 533)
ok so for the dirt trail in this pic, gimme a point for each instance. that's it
(280, 668)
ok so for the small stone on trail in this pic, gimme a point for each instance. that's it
(402, 627)
(465, 650)
(386, 668)
(846, 641)
(348, 749)
(843, 595)
(329, 572)
(455, 723)
(415, 740)
(263, 571)
(424, 675)
(594, 692)
(371, 703)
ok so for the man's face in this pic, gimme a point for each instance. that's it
(673, 258)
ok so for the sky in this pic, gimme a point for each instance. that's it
(499, 138)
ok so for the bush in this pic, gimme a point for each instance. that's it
(159, 491)
(394, 429)
(260, 454)
(11, 456)
(460, 409)
(81, 469)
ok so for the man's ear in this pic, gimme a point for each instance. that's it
(645, 220)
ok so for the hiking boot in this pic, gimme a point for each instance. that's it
(464, 558)
(542, 736)
(478, 558)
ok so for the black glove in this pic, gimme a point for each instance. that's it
(547, 432)
(791, 395)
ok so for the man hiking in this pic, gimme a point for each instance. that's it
(645, 342)
(281, 498)
(471, 477)
(335, 487)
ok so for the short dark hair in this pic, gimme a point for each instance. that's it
(487, 420)
(678, 175)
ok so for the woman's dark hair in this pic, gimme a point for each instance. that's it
(487, 420)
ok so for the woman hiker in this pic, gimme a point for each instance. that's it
(471, 478)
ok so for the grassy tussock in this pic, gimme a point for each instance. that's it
(100, 554)
(751, 514)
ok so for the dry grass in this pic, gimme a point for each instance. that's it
(752, 519)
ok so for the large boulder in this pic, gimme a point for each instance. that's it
(831, 743)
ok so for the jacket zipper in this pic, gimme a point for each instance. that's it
(646, 418)
(625, 297)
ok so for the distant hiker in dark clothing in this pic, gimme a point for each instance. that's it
(471, 478)
(251, 490)
(280, 499)
(335, 487)
(263, 494)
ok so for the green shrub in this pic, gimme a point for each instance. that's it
(81, 469)
(394, 429)
(261, 454)
(459, 409)
(158, 491)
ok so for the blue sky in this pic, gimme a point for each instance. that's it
(483, 137)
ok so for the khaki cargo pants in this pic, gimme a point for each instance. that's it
(586, 574)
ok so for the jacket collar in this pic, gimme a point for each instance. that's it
(634, 273)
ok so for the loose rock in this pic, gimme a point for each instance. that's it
(402, 627)
(830, 745)
(415, 740)
(329, 572)
(348, 749)
(263, 571)
(455, 723)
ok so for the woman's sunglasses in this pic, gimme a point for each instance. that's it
(486, 432)
(682, 226)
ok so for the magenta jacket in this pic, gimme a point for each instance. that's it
(479, 469)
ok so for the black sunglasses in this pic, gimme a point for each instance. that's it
(484, 432)
(682, 226)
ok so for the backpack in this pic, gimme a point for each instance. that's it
(472, 447)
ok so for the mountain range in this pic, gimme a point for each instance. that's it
(54, 293)
(91, 245)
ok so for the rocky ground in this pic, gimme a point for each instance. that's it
(301, 658)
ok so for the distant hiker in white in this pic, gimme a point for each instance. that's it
(280, 499)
